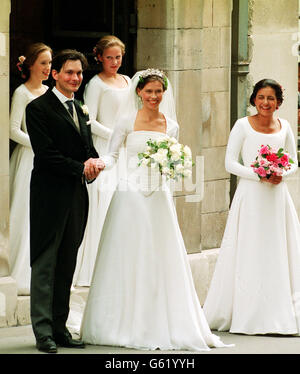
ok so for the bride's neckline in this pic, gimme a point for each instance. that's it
(158, 132)
(155, 131)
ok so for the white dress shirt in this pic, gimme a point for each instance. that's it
(62, 98)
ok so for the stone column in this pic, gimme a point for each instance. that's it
(8, 288)
(273, 29)
(169, 38)
(215, 105)
(190, 40)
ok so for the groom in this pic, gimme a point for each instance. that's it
(64, 160)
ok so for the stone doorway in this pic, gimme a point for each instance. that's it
(62, 24)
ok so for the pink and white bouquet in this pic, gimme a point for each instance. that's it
(170, 158)
(271, 161)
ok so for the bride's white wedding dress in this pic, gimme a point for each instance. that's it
(255, 288)
(142, 293)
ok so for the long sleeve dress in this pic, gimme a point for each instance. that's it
(103, 102)
(255, 288)
(142, 293)
(20, 166)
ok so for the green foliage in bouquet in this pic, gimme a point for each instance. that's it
(169, 157)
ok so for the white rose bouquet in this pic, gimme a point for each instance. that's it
(171, 158)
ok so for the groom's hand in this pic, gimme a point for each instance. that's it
(91, 168)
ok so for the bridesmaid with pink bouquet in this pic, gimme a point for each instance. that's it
(255, 288)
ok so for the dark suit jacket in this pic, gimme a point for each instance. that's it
(59, 153)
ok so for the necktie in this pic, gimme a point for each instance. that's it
(70, 106)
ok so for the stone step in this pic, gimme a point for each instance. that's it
(15, 309)
(8, 302)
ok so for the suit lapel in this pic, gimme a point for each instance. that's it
(60, 109)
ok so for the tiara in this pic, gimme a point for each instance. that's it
(150, 72)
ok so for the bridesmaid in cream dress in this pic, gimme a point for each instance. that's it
(103, 95)
(35, 67)
(255, 288)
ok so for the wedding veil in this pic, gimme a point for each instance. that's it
(131, 105)
(125, 118)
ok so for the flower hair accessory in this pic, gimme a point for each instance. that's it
(20, 65)
(22, 59)
(150, 72)
(95, 55)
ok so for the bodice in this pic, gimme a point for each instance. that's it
(244, 143)
(254, 140)
(141, 177)
(136, 142)
(105, 100)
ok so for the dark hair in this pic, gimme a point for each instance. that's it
(267, 83)
(68, 54)
(152, 78)
(31, 55)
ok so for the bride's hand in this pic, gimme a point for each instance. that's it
(274, 179)
(100, 164)
(92, 168)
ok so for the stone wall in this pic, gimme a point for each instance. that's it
(190, 41)
(215, 100)
(273, 29)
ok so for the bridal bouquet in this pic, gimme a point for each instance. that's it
(171, 158)
(271, 161)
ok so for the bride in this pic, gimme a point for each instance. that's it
(142, 293)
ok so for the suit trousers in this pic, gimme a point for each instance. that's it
(52, 272)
